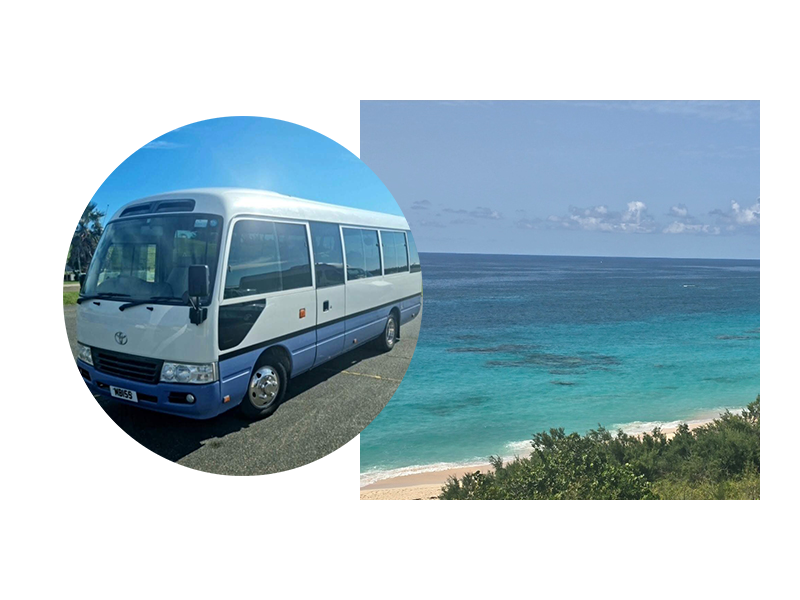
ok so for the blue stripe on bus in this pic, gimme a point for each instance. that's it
(313, 347)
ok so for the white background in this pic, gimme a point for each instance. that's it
(88, 512)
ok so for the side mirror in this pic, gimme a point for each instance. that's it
(198, 281)
(198, 287)
(81, 279)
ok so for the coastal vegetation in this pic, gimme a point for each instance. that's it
(719, 460)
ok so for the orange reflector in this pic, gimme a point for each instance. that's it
(226, 399)
(302, 313)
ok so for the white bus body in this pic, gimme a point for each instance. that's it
(291, 284)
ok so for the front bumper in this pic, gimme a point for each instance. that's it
(156, 397)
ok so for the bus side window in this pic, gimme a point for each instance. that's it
(372, 253)
(413, 254)
(394, 252)
(354, 251)
(328, 260)
(267, 257)
(295, 258)
(363, 253)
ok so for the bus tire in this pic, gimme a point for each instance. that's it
(266, 389)
(388, 338)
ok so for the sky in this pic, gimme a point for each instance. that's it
(250, 152)
(669, 179)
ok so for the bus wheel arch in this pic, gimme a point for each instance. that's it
(280, 353)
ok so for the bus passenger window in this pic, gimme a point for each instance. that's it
(363, 253)
(328, 260)
(354, 250)
(413, 254)
(295, 265)
(394, 252)
(267, 257)
(372, 254)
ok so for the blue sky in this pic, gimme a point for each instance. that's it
(674, 179)
(248, 152)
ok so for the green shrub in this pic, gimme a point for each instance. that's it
(720, 460)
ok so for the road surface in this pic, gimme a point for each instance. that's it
(324, 409)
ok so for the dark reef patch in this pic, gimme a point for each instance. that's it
(527, 355)
(561, 363)
(451, 405)
(467, 337)
(501, 349)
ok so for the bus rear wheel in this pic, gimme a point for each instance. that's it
(266, 389)
(388, 339)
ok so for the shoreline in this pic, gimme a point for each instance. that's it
(427, 485)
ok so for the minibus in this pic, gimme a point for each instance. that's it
(199, 301)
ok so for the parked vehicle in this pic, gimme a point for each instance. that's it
(199, 301)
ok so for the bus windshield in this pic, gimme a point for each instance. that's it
(149, 257)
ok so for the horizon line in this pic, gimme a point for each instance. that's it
(587, 255)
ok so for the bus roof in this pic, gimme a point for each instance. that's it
(233, 202)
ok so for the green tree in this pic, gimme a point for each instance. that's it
(84, 240)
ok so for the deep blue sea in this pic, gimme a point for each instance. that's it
(512, 345)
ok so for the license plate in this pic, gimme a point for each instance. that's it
(124, 394)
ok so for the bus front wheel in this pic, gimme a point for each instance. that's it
(266, 389)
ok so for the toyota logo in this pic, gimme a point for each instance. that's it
(121, 338)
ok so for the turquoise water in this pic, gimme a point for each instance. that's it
(512, 345)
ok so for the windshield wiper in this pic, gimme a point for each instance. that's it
(102, 295)
(149, 301)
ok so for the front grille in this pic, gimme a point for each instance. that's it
(127, 366)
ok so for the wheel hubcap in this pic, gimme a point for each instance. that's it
(264, 386)
(390, 331)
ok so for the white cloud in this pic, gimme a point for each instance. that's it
(635, 219)
(528, 223)
(738, 217)
(482, 212)
(679, 227)
(747, 216)
(686, 223)
(679, 210)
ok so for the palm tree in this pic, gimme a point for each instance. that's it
(87, 235)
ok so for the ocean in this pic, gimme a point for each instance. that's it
(513, 345)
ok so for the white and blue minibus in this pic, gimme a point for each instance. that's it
(199, 301)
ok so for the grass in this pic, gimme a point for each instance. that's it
(70, 298)
(745, 487)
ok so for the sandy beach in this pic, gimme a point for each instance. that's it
(427, 486)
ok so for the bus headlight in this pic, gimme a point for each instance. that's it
(187, 373)
(85, 354)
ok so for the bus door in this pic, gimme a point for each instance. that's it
(329, 273)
